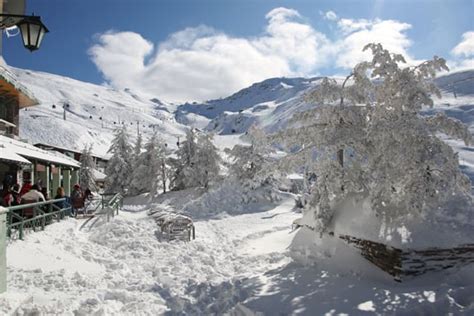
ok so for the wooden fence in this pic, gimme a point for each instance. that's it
(404, 263)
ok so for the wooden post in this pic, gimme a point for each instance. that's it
(56, 182)
(44, 177)
(74, 176)
(67, 182)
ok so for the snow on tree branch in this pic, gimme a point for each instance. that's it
(367, 137)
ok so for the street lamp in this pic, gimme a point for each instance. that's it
(31, 28)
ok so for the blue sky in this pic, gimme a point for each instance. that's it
(165, 47)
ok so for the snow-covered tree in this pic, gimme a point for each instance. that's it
(119, 166)
(148, 174)
(86, 172)
(252, 167)
(133, 189)
(371, 141)
(197, 162)
(137, 150)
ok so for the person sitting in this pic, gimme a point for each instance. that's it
(77, 199)
(32, 196)
(25, 188)
(7, 197)
(44, 191)
(11, 197)
(16, 194)
(62, 204)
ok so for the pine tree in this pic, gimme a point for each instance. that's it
(119, 166)
(372, 142)
(134, 190)
(86, 173)
(149, 174)
(138, 147)
(197, 162)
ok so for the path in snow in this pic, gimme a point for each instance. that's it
(122, 267)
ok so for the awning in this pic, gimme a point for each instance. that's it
(11, 156)
(31, 152)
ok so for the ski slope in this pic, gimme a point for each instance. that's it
(73, 114)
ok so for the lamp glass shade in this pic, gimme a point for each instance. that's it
(32, 32)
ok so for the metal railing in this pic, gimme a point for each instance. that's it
(26, 217)
(111, 206)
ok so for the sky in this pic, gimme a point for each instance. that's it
(195, 50)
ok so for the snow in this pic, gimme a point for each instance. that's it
(92, 114)
(238, 264)
(121, 266)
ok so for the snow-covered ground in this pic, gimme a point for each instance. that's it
(122, 267)
(237, 264)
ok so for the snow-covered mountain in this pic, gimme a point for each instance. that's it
(92, 113)
(269, 103)
(272, 102)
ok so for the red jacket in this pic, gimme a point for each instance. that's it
(25, 188)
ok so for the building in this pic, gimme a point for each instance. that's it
(21, 162)
(99, 161)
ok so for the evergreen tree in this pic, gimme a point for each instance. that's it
(197, 163)
(138, 147)
(86, 172)
(148, 176)
(119, 167)
(134, 190)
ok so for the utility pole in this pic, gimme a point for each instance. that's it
(65, 105)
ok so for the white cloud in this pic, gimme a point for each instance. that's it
(463, 53)
(201, 63)
(330, 15)
(120, 54)
(390, 33)
(349, 25)
(466, 46)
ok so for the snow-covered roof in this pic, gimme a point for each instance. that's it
(13, 88)
(103, 157)
(29, 151)
(99, 176)
(9, 155)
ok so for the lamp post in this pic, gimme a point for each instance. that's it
(31, 28)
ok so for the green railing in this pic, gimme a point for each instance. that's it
(111, 203)
(26, 217)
